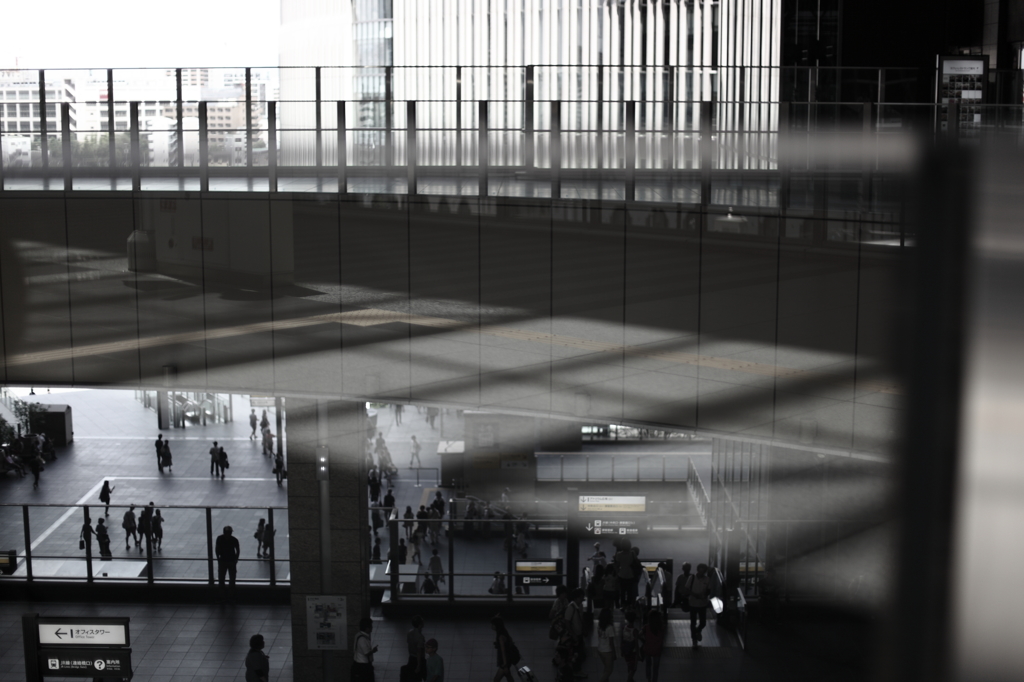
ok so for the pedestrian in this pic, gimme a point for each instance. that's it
(630, 644)
(623, 562)
(159, 445)
(378, 446)
(434, 525)
(374, 485)
(85, 539)
(607, 644)
(268, 442)
(389, 501)
(264, 421)
(598, 557)
(498, 584)
(227, 551)
(105, 496)
(268, 539)
(398, 414)
(103, 539)
(682, 598)
(417, 646)
(429, 586)
(415, 456)
(376, 521)
(654, 642)
(279, 469)
(438, 503)
(435, 664)
(215, 460)
(157, 526)
(431, 416)
(253, 422)
(222, 460)
(435, 568)
(507, 652)
(403, 552)
(260, 529)
(574, 633)
(130, 528)
(145, 523)
(375, 555)
(36, 466)
(407, 523)
(699, 598)
(165, 456)
(257, 663)
(609, 586)
(363, 651)
(422, 516)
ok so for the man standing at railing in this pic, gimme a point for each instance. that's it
(228, 551)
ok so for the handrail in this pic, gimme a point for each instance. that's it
(698, 493)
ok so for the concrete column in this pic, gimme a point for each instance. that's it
(340, 426)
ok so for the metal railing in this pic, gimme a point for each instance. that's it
(624, 467)
(53, 554)
(698, 493)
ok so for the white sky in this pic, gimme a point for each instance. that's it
(139, 33)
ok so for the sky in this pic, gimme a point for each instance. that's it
(139, 33)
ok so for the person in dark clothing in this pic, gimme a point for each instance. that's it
(86, 536)
(222, 461)
(105, 496)
(146, 523)
(35, 465)
(157, 526)
(228, 551)
(130, 529)
(254, 421)
(257, 663)
(165, 457)
(215, 469)
(268, 540)
(103, 539)
(374, 484)
(389, 501)
(279, 467)
(159, 445)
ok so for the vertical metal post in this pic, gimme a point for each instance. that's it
(204, 149)
(279, 423)
(272, 145)
(613, 468)
(342, 150)
(319, 126)
(133, 136)
(389, 114)
(482, 149)
(668, 150)
(149, 552)
(458, 115)
(410, 146)
(28, 542)
(209, 544)
(248, 121)
(630, 151)
(44, 141)
(706, 109)
(451, 551)
(556, 150)
(180, 124)
(600, 119)
(953, 120)
(65, 143)
(528, 157)
(273, 547)
(785, 115)
(111, 125)
(868, 164)
(510, 539)
(88, 548)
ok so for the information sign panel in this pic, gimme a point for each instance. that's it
(545, 573)
(612, 503)
(326, 623)
(96, 663)
(83, 632)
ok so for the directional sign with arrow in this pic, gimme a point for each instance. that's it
(84, 633)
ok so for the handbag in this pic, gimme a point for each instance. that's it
(557, 629)
(81, 544)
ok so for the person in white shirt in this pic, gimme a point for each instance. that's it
(362, 659)
(607, 643)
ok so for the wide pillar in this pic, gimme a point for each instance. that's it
(327, 520)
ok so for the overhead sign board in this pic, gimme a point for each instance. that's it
(612, 503)
(542, 573)
(83, 632)
(105, 664)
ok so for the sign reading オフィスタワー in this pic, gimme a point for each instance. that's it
(84, 633)
(613, 503)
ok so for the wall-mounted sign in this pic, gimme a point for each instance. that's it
(515, 461)
(105, 664)
(613, 503)
(79, 632)
(326, 623)
(546, 573)
(962, 79)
